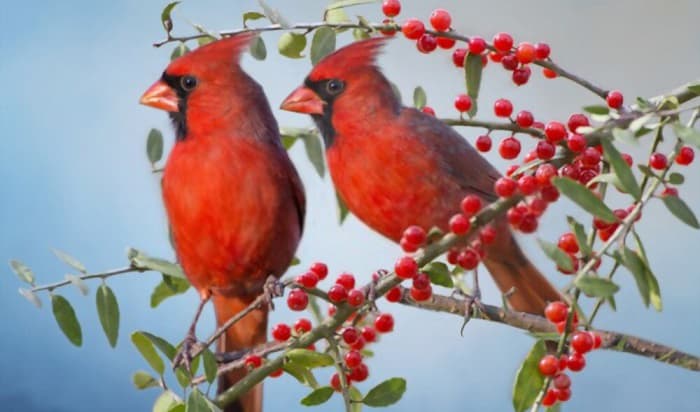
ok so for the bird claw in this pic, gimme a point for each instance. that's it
(272, 289)
(184, 355)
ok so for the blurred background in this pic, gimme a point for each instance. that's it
(75, 177)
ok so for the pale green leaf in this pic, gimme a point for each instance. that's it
(108, 312)
(66, 319)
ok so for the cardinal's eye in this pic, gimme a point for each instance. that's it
(188, 83)
(334, 86)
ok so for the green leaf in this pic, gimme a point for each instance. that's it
(681, 210)
(582, 196)
(528, 379)
(288, 141)
(646, 170)
(166, 402)
(145, 347)
(597, 109)
(322, 44)
(163, 345)
(347, 3)
(652, 282)
(687, 134)
(472, 74)
(621, 169)
(165, 16)
(342, 209)
(66, 319)
(210, 366)
(335, 16)
(179, 50)
(300, 373)
(141, 260)
(639, 122)
(274, 15)
(197, 402)
(386, 393)
(580, 234)
(31, 297)
(154, 146)
(309, 358)
(69, 260)
(695, 88)
(22, 271)
(318, 396)
(168, 287)
(634, 263)
(251, 15)
(258, 49)
(78, 283)
(595, 286)
(314, 151)
(360, 34)
(439, 274)
(676, 178)
(201, 41)
(561, 258)
(183, 378)
(108, 312)
(419, 98)
(144, 380)
(356, 397)
(291, 45)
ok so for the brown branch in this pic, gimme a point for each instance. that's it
(512, 127)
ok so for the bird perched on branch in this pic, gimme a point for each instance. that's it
(232, 196)
(395, 166)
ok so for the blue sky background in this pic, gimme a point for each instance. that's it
(75, 177)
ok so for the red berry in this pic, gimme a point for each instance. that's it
(509, 62)
(627, 158)
(253, 361)
(452, 256)
(471, 204)
(576, 362)
(577, 120)
(511, 170)
(394, 294)
(426, 43)
(337, 293)
(302, 325)
(503, 42)
(463, 103)
(487, 234)
(529, 223)
(353, 358)
(563, 362)
(515, 216)
(525, 53)
(358, 344)
(597, 340)
(503, 108)
(428, 110)
(308, 279)
(524, 118)
(550, 398)
(549, 194)
(440, 19)
(582, 342)
(468, 259)
(356, 298)
(477, 45)
(459, 224)
(562, 381)
(614, 99)
(541, 51)
(415, 234)
(590, 157)
(509, 148)
(505, 187)
(421, 281)
(527, 185)
(549, 73)
(586, 176)
(406, 267)
(281, 332)
(350, 335)
(420, 295)
(384, 323)
(320, 269)
(359, 373)
(568, 243)
(685, 156)
(458, 57)
(669, 191)
(521, 75)
(544, 174)
(413, 29)
(445, 42)
(335, 382)
(369, 334)
(483, 143)
(555, 131)
(331, 310)
(495, 57)
(297, 300)
(576, 143)
(556, 311)
(545, 150)
(549, 365)
(346, 280)
(407, 246)
(391, 8)
(563, 394)
(658, 161)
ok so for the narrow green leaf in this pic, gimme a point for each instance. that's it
(183, 378)
(258, 49)
(22, 271)
(439, 274)
(291, 45)
(300, 373)
(31, 297)
(528, 379)
(69, 260)
(695, 88)
(66, 319)
(314, 151)
(559, 257)
(141, 260)
(180, 50)
(634, 263)
(597, 109)
(611, 302)
(197, 402)
(166, 402)
(580, 195)
(675, 178)
(317, 396)
(154, 146)
(274, 15)
(681, 210)
(386, 393)
(78, 283)
(144, 380)
(288, 141)
(595, 286)
(687, 134)
(210, 366)
(646, 170)
(309, 358)
(581, 237)
(335, 16)
(165, 16)
(624, 135)
(168, 287)
(360, 34)
(347, 3)
(251, 15)
(108, 312)
(639, 122)
(621, 169)
(342, 209)
(419, 98)
(472, 74)
(163, 345)
(322, 44)
(145, 347)
(652, 282)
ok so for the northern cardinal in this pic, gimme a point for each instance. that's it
(395, 166)
(233, 197)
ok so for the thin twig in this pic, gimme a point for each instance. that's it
(101, 275)
(512, 127)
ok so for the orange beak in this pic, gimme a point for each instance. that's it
(161, 96)
(303, 100)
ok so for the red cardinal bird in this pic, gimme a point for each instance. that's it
(233, 198)
(395, 166)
